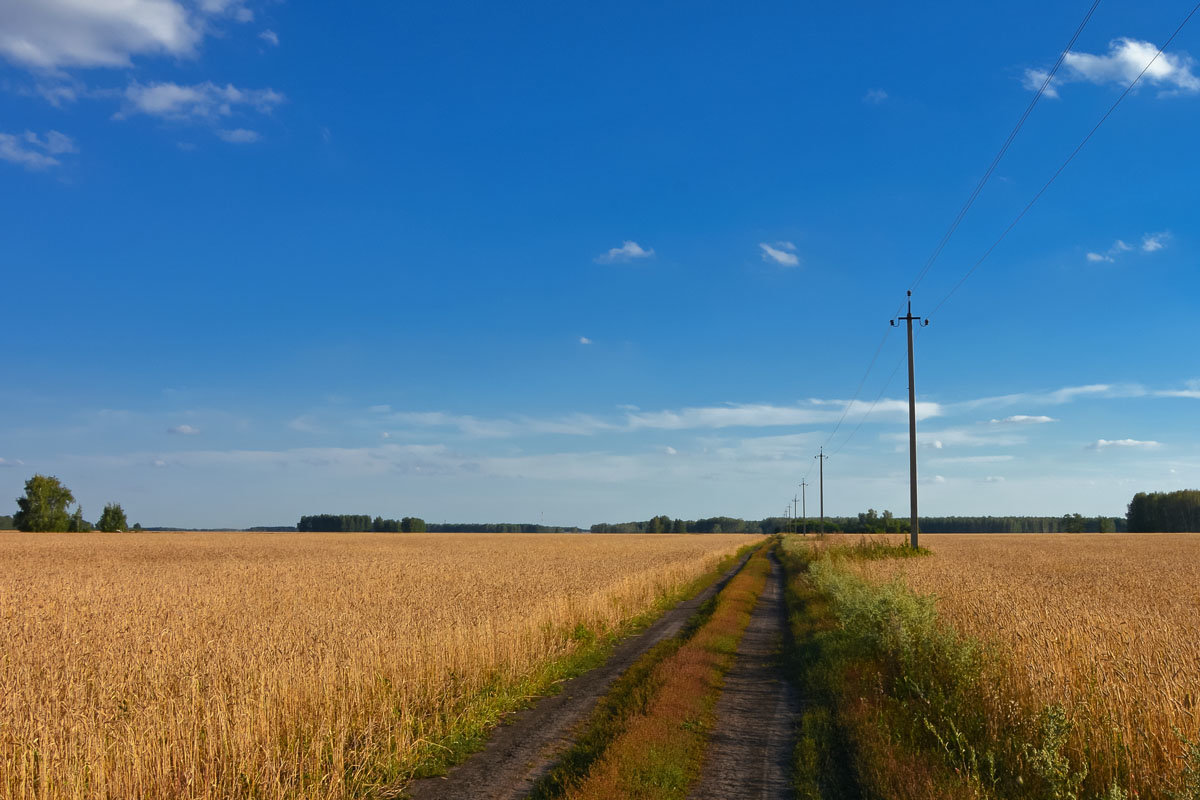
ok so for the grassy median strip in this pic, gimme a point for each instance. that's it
(648, 738)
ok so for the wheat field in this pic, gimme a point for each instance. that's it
(218, 665)
(1108, 625)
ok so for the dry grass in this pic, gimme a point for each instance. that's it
(1106, 625)
(286, 665)
(660, 751)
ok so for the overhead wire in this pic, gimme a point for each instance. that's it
(962, 212)
(1012, 135)
(1068, 160)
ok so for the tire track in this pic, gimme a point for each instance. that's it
(750, 750)
(523, 750)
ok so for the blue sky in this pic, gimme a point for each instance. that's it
(587, 264)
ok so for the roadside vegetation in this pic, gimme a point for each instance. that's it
(904, 705)
(647, 739)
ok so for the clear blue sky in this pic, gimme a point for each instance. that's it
(583, 264)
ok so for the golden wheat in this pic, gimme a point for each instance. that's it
(1106, 625)
(298, 665)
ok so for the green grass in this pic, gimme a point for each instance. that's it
(901, 705)
(473, 722)
(629, 695)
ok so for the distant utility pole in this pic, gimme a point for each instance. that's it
(794, 517)
(821, 457)
(804, 506)
(914, 525)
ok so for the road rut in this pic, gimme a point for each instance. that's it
(749, 752)
(523, 750)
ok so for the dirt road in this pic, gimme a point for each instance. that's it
(749, 752)
(520, 752)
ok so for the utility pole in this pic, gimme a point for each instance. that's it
(914, 525)
(821, 460)
(804, 506)
(794, 501)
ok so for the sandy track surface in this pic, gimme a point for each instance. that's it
(749, 752)
(523, 750)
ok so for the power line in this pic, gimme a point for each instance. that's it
(878, 397)
(1067, 162)
(962, 212)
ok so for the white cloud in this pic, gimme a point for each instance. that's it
(382, 408)
(35, 152)
(305, 423)
(1125, 60)
(996, 459)
(782, 253)
(584, 340)
(184, 430)
(875, 96)
(1023, 419)
(1152, 242)
(628, 251)
(994, 479)
(239, 136)
(198, 101)
(1104, 444)
(230, 8)
(1192, 391)
(158, 462)
(270, 37)
(4, 462)
(956, 437)
(51, 34)
(385, 435)
(671, 451)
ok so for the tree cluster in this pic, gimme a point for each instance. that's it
(496, 527)
(44, 508)
(1165, 512)
(355, 523)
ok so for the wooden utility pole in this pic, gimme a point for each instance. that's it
(821, 457)
(804, 506)
(914, 525)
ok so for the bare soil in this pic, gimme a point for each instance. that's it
(749, 752)
(523, 750)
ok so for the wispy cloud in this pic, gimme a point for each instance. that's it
(584, 340)
(956, 437)
(782, 253)
(183, 430)
(305, 423)
(1136, 444)
(239, 136)
(628, 251)
(36, 152)
(875, 96)
(1153, 242)
(1123, 62)
(1192, 391)
(198, 101)
(270, 37)
(1023, 419)
(5, 462)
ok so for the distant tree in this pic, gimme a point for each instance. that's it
(137, 526)
(412, 525)
(112, 520)
(7, 524)
(680, 526)
(77, 523)
(44, 506)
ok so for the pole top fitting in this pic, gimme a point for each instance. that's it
(909, 292)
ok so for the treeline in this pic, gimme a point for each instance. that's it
(497, 527)
(359, 523)
(1165, 512)
(665, 524)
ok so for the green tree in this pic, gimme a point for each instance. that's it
(6, 523)
(77, 523)
(44, 506)
(113, 519)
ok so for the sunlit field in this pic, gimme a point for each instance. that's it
(1107, 625)
(216, 665)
